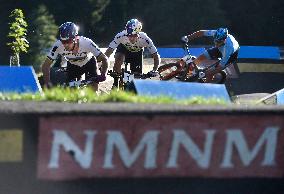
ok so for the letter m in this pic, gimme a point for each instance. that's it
(115, 139)
(236, 137)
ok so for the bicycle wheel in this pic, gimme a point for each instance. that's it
(220, 77)
(169, 71)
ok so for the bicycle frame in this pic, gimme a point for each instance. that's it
(125, 77)
(185, 70)
(79, 83)
(169, 71)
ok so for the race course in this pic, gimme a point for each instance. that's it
(136, 148)
(256, 80)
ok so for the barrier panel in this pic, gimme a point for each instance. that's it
(161, 146)
(246, 52)
(275, 98)
(140, 148)
(178, 52)
(181, 90)
(18, 79)
(259, 52)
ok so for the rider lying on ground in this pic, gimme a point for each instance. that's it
(130, 44)
(81, 54)
(225, 47)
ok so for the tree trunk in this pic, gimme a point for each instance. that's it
(15, 60)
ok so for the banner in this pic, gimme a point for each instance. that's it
(72, 147)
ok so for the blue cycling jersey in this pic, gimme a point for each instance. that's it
(230, 46)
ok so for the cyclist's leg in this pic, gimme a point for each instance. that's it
(119, 58)
(136, 61)
(212, 54)
(73, 72)
(231, 67)
(90, 70)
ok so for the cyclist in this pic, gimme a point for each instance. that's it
(129, 45)
(81, 54)
(225, 47)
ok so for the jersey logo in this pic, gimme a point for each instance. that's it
(53, 50)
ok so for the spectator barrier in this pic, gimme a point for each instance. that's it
(246, 52)
(140, 148)
(18, 79)
(275, 98)
(181, 90)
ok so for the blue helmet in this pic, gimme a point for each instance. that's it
(133, 26)
(68, 31)
(221, 34)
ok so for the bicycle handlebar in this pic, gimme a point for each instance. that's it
(136, 75)
(80, 83)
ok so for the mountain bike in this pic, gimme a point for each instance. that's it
(80, 83)
(59, 78)
(185, 70)
(125, 78)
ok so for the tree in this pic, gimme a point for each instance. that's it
(17, 35)
(176, 18)
(43, 32)
(98, 7)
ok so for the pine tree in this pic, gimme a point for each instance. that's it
(17, 36)
(43, 32)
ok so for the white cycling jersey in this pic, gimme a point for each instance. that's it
(230, 46)
(143, 41)
(87, 49)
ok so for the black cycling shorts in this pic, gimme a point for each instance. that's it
(134, 58)
(215, 54)
(74, 71)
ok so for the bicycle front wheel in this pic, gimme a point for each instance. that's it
(220, 77)
(169, 71)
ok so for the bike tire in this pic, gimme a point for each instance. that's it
(222, 77)
(169, 70)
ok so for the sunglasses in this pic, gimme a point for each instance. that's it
(67, 41)
(132, 35)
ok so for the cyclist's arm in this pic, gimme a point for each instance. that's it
(109, 51)
(114, 44)
(46, 71)
(196, 34)
(148, 43)
(157, 61)
(103, 58)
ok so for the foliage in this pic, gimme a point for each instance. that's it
(18, 32)
(43, 32)
(98, 7)
(87, 95)
(252, 22)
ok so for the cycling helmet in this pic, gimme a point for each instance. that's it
(220, 34)
(68, 31)
(133, 26)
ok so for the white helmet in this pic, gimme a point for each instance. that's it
(133, 26)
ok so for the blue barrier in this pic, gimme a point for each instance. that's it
(178, 52)
(259, 52)
(246, 52)
(18, 79)
(181, 90)
(280, 97)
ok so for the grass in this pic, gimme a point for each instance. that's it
(87, 95)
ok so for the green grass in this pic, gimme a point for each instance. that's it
(87, 95)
